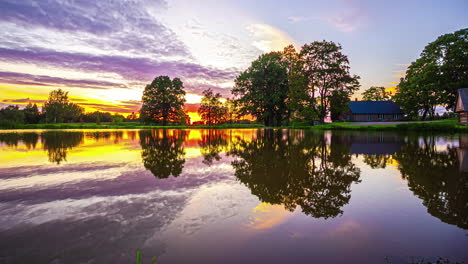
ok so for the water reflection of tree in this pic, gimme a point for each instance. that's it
(435, 178)
(58, 143)
(163, 152)
(12, 139)
(212, 143)
(377, 161)
(295, 168)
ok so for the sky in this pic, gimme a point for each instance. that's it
(105, 52)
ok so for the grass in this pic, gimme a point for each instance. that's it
(121, 126)
(447, 125)
(139, 258)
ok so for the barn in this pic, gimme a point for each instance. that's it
(462, 106)
(372, 111)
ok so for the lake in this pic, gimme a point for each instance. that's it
(232, 196)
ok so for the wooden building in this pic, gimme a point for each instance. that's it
(372, 111)
(462, 106)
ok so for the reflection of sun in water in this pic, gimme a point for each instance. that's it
(267, 216)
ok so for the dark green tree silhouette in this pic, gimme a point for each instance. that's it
(163, 152)
(375, 93)
(434, 177)
(433, 79)
(163, 100)
(262, 89)
(296, 168)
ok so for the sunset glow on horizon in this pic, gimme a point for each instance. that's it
(105, 52)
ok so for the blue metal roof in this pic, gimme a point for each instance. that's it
(374, 107)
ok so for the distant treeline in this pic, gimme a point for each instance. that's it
(57, 109)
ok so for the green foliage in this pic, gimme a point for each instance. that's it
(212, 110)
(327, 70)
(58, 109)
(375, 93)
(163, 101)
(297, 101)
(338, 103)
(262, 89)
(31, 114)
(153, 260)
(433, 79)
(117, 118)
(12, 114)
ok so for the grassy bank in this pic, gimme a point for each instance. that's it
(122, 126)
(449, 125)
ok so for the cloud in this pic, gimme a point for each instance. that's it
(118, 26)
(268, 38)
(140, 69)
(29, 79)
(296, 19)
(347, 21)
(122, 107)
(23, 101)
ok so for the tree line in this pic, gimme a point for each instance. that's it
(57, 109)
(277, 88)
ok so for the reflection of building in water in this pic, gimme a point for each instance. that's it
(375, 144)
(462, 153)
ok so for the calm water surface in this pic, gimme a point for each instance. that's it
(232, 196)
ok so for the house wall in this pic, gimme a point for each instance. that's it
(463, 118)
(375, 117)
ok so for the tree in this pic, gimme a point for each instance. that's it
(262, 89)
(297, 85)
(327, 70)
(338, 103)
(12, 113)
(31, 114)
(73, 113)
(434, 78)
(163, 100)
(56, 105)
(212, 110)
(375, 93)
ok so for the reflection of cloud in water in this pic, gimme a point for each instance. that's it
(267, 216)
(72, 220)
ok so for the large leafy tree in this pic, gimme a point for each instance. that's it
(212, 110)
(327, 70)
(297, 101)
(433, 79)
(262, 89)
(163, 100)
(375, 93)
(58, 108)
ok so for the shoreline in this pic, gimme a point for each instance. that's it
(449, 125)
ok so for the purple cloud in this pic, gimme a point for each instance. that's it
(29, 79)
(139, 69)
(107, 25)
